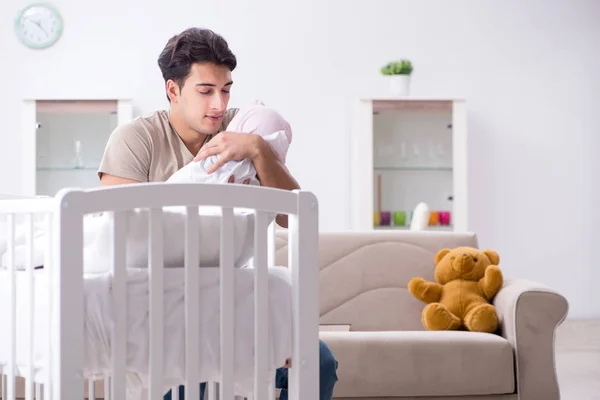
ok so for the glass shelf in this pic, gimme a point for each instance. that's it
(49, 169)
(412, 168)
(406, 227)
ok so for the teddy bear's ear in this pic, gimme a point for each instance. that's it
(493, 256)
(441, 254)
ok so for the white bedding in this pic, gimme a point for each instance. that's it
(99, 309)
(98, 238)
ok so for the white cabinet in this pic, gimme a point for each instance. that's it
(405, 151)
(64, 140)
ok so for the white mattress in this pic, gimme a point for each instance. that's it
(99, 318)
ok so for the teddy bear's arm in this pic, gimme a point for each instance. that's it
(429, 292)
(491, 282)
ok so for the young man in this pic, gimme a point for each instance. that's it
(196, 66)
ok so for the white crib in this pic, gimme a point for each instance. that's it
(64, 290)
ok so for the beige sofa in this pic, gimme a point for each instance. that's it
(382, 348)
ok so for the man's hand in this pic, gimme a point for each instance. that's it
(232, 179)
(230, 146)
(238, 146)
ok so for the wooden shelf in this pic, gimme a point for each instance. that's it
(410, 103)
(380, 106)
(77, 106)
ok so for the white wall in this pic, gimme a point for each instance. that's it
(529, 70)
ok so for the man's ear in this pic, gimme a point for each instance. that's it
(441, 254)
(493, 256)
(172, 90)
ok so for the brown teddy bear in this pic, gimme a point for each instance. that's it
(467, 281)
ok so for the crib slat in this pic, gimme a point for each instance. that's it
(12, 324)
(271, 394)
(68, 311)
(38, 391)
(213, 390)
(119, 329)
(29, 382)
(271, 243)
(107, 385)
(227, 305)
(303, 250)
(261, 306)
(91, 390)
(3, 386)
(192, 323)
(155, 256)
(48, 257)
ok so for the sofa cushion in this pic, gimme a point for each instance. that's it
(421, 363)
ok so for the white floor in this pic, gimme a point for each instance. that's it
(578, 359)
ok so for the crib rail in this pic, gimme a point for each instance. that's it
(64, 256)
(157, 195)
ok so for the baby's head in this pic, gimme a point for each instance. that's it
(263, 121)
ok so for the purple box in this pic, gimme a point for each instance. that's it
(386, 218)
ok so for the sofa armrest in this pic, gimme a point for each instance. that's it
(529, 314)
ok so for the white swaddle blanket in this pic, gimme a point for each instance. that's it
(256, 119)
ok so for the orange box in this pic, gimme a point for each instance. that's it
(434, 218)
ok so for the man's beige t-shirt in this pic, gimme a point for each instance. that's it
(148, 149)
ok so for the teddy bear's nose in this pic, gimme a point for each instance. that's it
(464, 263)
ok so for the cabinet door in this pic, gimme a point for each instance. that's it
(68, 141)
(412, 163)
(406, 152)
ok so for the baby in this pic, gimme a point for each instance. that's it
(256, 119)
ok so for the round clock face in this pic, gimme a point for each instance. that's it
(39, 26)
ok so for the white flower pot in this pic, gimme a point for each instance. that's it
(399, 85)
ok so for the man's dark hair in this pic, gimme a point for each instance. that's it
(194, 45)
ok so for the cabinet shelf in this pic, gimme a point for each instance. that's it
(409, 168)
(405, 228)
(57, 169)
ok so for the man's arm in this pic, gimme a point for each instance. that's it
(111, 180)
(126, 158)
(272, 173)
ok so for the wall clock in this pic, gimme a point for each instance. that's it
(39, 25)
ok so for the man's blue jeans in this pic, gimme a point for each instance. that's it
(328, 377)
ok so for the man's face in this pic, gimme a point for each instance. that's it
(202, 102)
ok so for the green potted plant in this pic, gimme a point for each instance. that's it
(398, 73)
